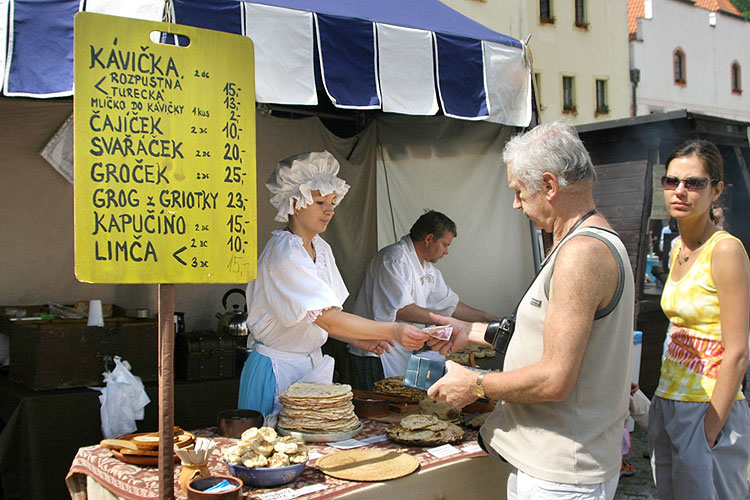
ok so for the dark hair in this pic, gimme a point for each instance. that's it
(706, 152)
(432, 222)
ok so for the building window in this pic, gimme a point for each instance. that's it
(545, 12)
(602, 105)
(569, 102)
(538, 90)
(736, 78)
(581, 21)
(679, 67)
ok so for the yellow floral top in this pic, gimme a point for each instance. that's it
(694, 348)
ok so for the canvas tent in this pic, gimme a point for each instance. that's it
(409, 156)
(399, 165)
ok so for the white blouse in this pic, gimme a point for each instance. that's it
(291, 291)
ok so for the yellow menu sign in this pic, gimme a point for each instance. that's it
(164, 154)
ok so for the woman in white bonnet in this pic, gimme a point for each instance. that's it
(295, 302)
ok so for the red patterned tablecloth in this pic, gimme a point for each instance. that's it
(142, 483)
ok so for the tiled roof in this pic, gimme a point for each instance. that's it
(636, 10)
(722, 5)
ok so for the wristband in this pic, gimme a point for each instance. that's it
(491, 332)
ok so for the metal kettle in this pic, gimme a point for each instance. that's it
(233, 322)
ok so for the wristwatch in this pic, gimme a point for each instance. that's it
(479, 389)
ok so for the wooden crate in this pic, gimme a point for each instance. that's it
(205, 355)
(66, 353)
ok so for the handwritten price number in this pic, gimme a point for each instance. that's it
(234, 174)
(236, 224)
(236, 263)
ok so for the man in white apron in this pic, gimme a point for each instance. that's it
(402, 284)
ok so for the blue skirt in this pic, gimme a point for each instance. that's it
(257, 384)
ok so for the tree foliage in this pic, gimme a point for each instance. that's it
(743, 6)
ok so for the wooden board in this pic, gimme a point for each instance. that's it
(164, 185)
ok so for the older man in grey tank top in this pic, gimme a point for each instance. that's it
(563, 394)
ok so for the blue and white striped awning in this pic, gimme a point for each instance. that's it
(402, 56)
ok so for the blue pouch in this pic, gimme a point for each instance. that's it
(423, 370)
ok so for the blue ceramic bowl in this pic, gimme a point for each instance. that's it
(267, 477)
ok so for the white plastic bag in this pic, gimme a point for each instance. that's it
(122, 400)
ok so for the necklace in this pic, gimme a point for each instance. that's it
(680, 258)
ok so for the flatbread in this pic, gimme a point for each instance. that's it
(395, 385)
(424, 430)
(418, 421)
(367, 464)
(311, 390)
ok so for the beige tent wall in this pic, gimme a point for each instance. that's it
(432, 162)
(455, 167)
(36, 212)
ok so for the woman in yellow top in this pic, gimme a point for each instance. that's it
(699, 422)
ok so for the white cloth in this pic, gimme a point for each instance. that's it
(289, 286)
(407, 78)
(148, 10)
(521, 486)
(273, 67)
(395, 279)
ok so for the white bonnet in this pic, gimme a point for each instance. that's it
(295, 178)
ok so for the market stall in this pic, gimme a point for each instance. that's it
(384, 156)
(398, 50)
(457, 470)
(43, 430)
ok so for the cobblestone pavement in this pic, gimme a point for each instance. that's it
(640, 485)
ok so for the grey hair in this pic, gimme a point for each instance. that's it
(551, 147)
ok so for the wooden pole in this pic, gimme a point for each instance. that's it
(166, 392)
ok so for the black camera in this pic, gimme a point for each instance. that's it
(499, 333)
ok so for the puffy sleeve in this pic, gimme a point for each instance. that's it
(392, 288)
(291, 284)
(441, 298)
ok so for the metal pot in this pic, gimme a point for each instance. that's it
(233, 321)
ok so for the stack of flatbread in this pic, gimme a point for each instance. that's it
(424, 430)
(312, 407)
(395, 385)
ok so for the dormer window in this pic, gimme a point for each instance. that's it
(680, 77)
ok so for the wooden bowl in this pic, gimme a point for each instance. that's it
(369, 407)
(232, 423)
(196, 488)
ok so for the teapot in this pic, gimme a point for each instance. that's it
(234, 321)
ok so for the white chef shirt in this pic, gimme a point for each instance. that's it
(290, 291)
(394, 280)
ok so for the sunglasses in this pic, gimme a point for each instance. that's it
(691, 183)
